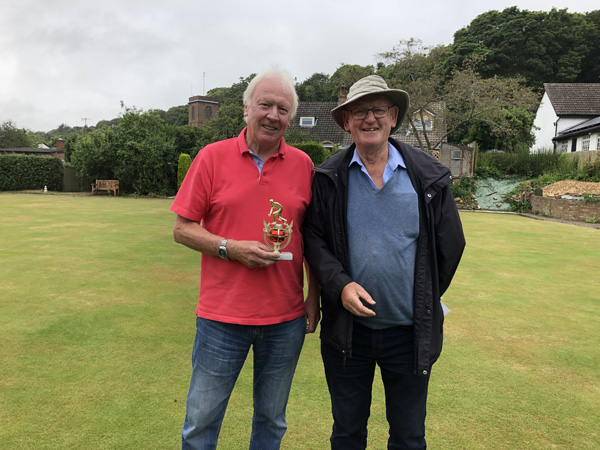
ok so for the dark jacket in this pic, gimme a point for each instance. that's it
(439, 248)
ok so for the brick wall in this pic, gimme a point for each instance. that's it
(565, 209)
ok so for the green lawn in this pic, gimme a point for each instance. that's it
(97, 322)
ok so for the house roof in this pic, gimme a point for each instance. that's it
(581, 128)
(32, 151)
(407, 135)
(574, 99)
(325, 129)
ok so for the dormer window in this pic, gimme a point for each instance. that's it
(428, 121)
(307, 121)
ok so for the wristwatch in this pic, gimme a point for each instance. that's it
(223, 249)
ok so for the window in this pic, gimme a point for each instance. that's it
(428, 121)
(585, 143)
(307, 121)
(564, 147)
(598, 143)
(208, 112)
(456, 154)
(193, 112)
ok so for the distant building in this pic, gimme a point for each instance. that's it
(567, 119)
(201, 109)
(42, 150)
(314, 118)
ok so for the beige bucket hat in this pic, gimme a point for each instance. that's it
(373, 84)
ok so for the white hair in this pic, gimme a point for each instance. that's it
(279, 74)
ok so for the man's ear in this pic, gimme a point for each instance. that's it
(346, 118)
(395, 115)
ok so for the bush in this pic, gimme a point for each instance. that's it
(463, 188)
(313, 149)
(590, 171)
(182, 167)
(522, 163)
(20, 172)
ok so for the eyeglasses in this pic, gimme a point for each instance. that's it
(361, 113)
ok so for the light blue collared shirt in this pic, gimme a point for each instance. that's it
(395, 159)
(258, 161)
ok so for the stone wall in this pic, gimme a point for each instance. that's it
(565, 209)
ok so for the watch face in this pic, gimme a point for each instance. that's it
(222, 253)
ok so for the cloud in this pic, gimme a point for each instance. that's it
(64, 60)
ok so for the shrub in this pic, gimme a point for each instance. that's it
(522, 163)
(463, 188)
(182, 167)
(19, 172)
(314, 150)
(590, 171)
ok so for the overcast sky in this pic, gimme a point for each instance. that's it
(65, 60)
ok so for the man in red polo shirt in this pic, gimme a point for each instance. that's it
(248, 297)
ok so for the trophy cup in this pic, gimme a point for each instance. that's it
(277, 233)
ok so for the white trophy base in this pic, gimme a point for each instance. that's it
(285, 256)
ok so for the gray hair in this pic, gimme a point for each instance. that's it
(279, 74)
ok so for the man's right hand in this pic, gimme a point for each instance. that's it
(352, 294)
(252, 254)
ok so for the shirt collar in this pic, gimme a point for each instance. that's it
(244, 147)
(395, 159)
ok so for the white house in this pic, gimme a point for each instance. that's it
(566, 108)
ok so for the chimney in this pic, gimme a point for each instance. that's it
(60, 144)
(342, 96)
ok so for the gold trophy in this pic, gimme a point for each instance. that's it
(278, 233)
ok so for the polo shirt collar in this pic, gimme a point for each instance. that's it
(244, 147)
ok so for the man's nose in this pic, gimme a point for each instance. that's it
(273, 112)
(370, 115)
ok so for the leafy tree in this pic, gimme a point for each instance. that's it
(346, 75)
(233, 94)
(108, 123)
(177, 116)
(467, 96)
(13, 137)
(94, 154)
(187, 138)
(228, 123)
(513, 133)
(538, 46)
(140, 152)
(590, 66)
(70, 146)
(146, 155)
(317, 88)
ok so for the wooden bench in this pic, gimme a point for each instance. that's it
(106, 185)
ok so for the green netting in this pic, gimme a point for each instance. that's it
(491, 194)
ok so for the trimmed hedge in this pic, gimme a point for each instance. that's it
(185, 161)
(314, 150)
(20, 172)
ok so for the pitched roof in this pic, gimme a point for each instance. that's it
(407, 135)
(31, 150)
(580, 128)
(574, 99)
(325, 129)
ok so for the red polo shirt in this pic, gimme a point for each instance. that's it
(223, 189)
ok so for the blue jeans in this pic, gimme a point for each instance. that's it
(350, 382)
(220, 350)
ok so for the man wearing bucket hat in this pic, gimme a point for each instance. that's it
(383, 236)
